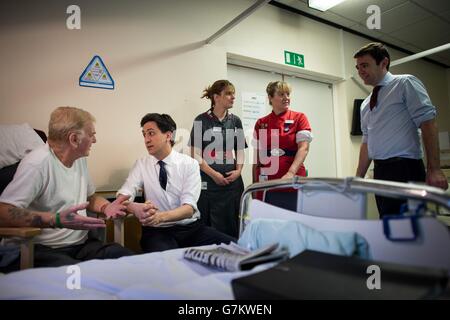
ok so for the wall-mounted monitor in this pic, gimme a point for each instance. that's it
(356, 119)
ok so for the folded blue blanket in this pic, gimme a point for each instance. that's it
(297, 237)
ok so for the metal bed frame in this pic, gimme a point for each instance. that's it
(348, 185)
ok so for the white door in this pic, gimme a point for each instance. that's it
(310, 97)
(315, 100)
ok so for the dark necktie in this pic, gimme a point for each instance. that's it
(374, 97)
(162, 174)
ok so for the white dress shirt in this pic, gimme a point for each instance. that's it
(391, 128)
(183, 183)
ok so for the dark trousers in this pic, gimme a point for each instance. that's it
(220, 208)
(399, 170)
(181, 236)
(92, 249)
(285, 200)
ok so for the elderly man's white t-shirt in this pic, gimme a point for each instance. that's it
(43, 183)
(183, 183)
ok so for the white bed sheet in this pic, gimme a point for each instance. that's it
(159, 275)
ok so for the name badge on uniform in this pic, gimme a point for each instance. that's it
(204, 185)
(287, 123)
(217, 129)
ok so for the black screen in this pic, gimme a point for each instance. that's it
(356, 119)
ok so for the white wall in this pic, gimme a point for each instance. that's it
(153, 51)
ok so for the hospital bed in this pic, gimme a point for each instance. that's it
(416, 240)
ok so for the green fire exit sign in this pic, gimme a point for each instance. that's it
(294, 59)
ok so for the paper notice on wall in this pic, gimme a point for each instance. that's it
(253, 108)
(444, 140)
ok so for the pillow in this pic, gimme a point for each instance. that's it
(16, 141)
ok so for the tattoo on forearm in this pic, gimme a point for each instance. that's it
(37, 222)
(19, 213)
(26, 217)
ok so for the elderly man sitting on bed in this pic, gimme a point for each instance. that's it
(171, 183)
(50, 190)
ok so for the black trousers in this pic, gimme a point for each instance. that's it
(220, 208)
(181, 236)
(92, 249)
(399, 170)
(285, 200)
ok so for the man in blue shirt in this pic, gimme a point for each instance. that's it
(391, 117)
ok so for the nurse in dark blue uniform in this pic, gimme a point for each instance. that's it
(218, 142)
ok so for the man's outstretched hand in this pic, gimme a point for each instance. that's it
(70, 219)
(117, 208)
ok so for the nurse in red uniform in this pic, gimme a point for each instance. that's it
(283, 139)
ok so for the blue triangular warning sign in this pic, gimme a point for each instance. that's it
(96, 75)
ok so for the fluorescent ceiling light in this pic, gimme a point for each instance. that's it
(323, 5)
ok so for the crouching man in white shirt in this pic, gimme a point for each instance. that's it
(171, 183)
(52, 190)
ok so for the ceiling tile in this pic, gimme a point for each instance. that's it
(399, 43)
(402, 16)
(301, 5)
(427, 33)
(386, 5)
(357, 9)
(330, 16)
(445, 15)
(411, 47)
(436, 6)
(353, 9)
(363, 29)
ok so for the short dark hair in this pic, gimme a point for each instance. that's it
(376, 50)
(164, 122)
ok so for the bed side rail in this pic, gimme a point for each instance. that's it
(351, 185)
